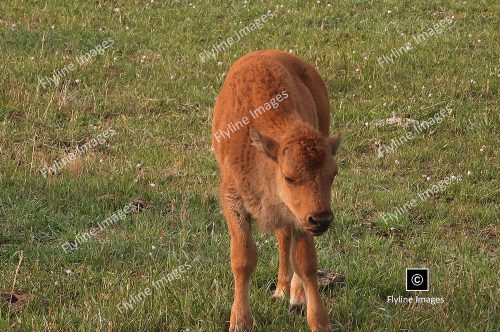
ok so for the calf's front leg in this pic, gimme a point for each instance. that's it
(243, 259)
(285, 272)
(305, 265)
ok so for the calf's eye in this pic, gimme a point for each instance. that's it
(289, 180)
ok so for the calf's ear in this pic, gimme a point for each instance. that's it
(333, 143)
(264, 144)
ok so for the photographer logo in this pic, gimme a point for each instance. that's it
(417, 279)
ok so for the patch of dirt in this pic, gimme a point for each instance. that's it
(141, 204)
(395, 120)
(392, 233)
(76, 167)
(488, 235)
(169, 208)
(171, 172)
(328, 279)
(491, 232)
(15, 300)
(111, 197)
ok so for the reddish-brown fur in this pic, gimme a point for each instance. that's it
(277, 168)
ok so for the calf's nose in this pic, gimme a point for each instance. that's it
(321, 219)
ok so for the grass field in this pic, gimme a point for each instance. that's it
(152, 89)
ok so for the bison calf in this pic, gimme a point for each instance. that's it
(270, 136)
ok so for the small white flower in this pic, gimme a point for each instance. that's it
(430, 94)
(116, 9)
(32, 58)
(479, 40)
(428, 178)
(219, 63)
(385, 104)
(69, 272)
(469, 173)
(152, 184)
(366, 124)
(126, 28)
(100, 160)
(53, 27)
(396, 161)
(482, 149)
(357, 70)
(77, 81)
(153, 247)
(328, 5)
(453, 177)
(369, 86)
(395, 86)
(389, 11)
(115, 58)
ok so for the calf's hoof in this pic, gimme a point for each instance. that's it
(241, 321)
(321, 329)
(240, 327)
(279, 295)
(298, 309)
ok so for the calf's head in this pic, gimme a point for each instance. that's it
(305, 169)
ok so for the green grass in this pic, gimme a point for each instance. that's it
(161, 109)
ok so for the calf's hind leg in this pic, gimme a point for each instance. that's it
(243, 258)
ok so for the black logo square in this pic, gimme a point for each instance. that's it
(417, 279)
